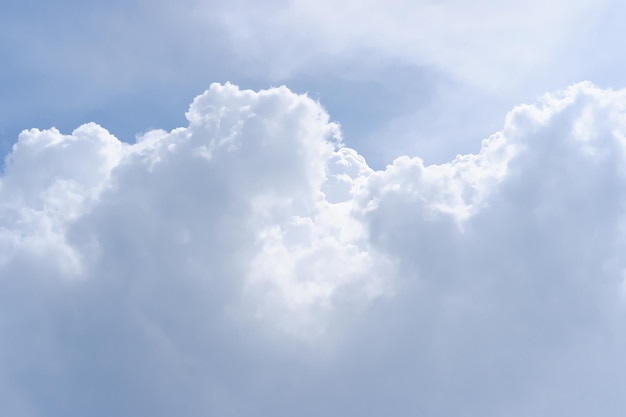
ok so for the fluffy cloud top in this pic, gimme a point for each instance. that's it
(250, 264)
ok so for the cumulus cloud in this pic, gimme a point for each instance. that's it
(251, 264)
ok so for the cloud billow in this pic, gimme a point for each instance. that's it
(250, 264)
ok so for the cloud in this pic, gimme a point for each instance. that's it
(251, 264)
(286, 39)
(453, 63)
(459, 39)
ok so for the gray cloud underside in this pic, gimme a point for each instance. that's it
(250, 265)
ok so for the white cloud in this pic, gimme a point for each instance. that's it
(452, 62)
(487, 43)
(491, 44)
(249, 264)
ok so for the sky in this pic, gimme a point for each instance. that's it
(299, 208)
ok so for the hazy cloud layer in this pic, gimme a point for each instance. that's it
(249, 264)
(458, 38)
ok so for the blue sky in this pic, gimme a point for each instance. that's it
(299, 208)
